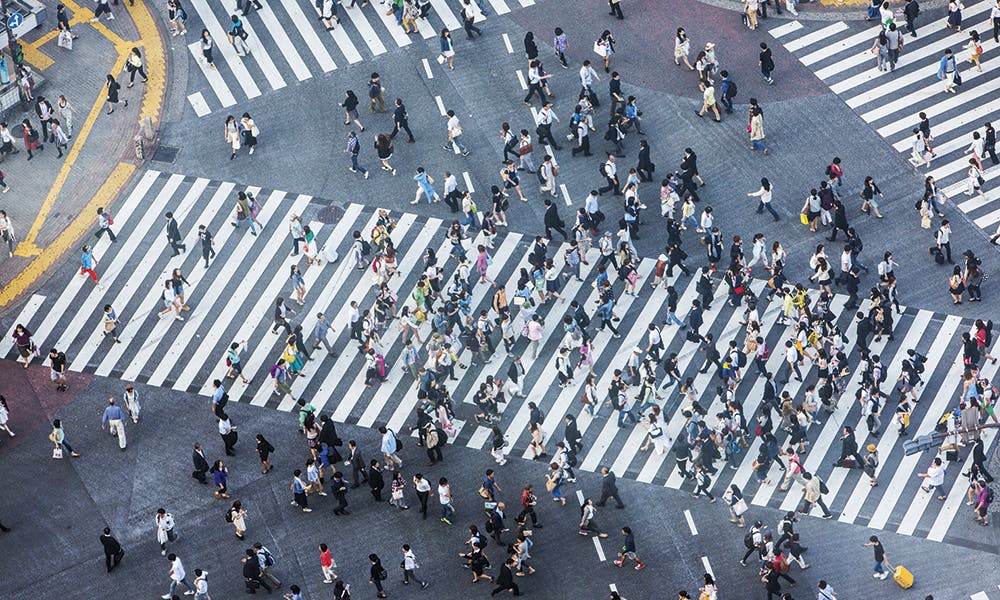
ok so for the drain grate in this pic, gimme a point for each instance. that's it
(165, 154)
(330, 215)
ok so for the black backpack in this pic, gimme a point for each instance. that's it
(748, 540)
(366, 248)
(741, 358)
(732, 90)
(229, 515)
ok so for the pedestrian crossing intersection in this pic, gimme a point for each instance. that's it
(841, 56)
(233, 300)
(288, 42)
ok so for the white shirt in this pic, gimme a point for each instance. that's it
(450, 184)
(587, 76)
(225, 426)
(791, 354)
(452, 124)
(444, 494)
(177, 569)
(421, 485)
(935, 475)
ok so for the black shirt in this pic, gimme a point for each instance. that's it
(879, 552)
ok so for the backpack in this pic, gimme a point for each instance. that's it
(268, 559)
(111, 218)
(741, 359)
(989, 495)
(748, 540)
(767, 352)
(989, 332)
(229, 515)
(383, 574)
(366, 248)
(732, 90)
(431, 439)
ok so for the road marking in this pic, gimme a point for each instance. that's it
(26, 313)
(500, 8)
(979, 596)
(427, 68)
(785, 29)
(445, 14)
(690, 520)
(520, 79)
(365, 29)
(707, 565)
(214, 78)
(506, 42)
(309, 35)
(36, 57)
(440, 104)
(468, 182)
(284, 43)
(597, 541)
(613, 587)
(199, 105)
(115, 39)
(565, 193)
(816, 36)
(218, 34)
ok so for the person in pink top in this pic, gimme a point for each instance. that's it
(483, 262)
(327, 564)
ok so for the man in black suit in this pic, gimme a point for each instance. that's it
(609, 488)
(514, 374)
(771, 393)
(174, 234)
(113, 552)
(328, 436)
(572, 434)
(200, 464)
(359, 470)
(979, 459)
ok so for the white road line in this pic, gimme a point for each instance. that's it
(445, 14)
(440, 105)
(219, 38)
(214, 78)
(823, 52)
(198, 104)
(707, 565)
(357, 16)
(24, 317)
(565, 193)
(309, 35)
(785, 29)
(863, 488)
(500, 8)
(277, 32)
(979, 596)
(527, 2)
(89, 312)
(427, 68)
(520, 79)
(468, 182)
(506, 42)
(690, 522)
(816, 36)
(257, 49)
(70, 290)
(395, 29)
(904, 469)
(347, 47)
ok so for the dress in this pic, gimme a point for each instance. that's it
(955, 14)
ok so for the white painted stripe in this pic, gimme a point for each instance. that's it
(527, 2)
(976, 202)
(150, 305)
(935, 107)
(193, 326)
(347, 47)
(480, 293)
(468, 182)
(888, 438)
(214, 78)
(258, 50)
(445, 14)
(565, 193)
(690, 522)
(600, 550)
(24, 317)
(864, 37)
(223, 47)
(479, 437)
(979, 596)
(277, 32)
(955, 497)
(198, 104)
(816, 36)
(500, 8)
(861, 491)
(395, 29)
(427, 68)
(342, 320)
(90, 311)
(904, 469)
(707, 565)
(782, 30)
(66, 298)
(506, 42)
(309, 35)
(520, 79)
(440, 105)
(357, 16)
(427, 31)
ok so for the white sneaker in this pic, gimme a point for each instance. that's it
(111, 17)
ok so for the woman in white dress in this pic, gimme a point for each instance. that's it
(5, 416)
(974, 181)
(131, 398)
(682, 48)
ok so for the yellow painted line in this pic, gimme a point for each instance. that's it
(51, 35)
(37, 58)
(29, 247)
(844, 2)
(83, 223)
(86, 15)
(155, 60)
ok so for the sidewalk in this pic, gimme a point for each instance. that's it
(53, 201)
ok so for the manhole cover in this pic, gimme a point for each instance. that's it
(165, 154)
(330, 215)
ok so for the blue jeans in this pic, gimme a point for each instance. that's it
(933, 204)
(557, 491)
(173, 585)
(356, 166)
(622, 414)
(238, 221)
(761, 205)
(447, 510)
(470, 221)
(458, 144)
(672, 318)
(877, 567)
(690, 221)
(758, 145)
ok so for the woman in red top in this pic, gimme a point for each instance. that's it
(31, 141)
(984, 338)
(326, 562)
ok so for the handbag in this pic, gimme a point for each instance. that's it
(57, 453)
(740, 507)
(803, 218)
(525, 149)
(598, 49)
(440, 59)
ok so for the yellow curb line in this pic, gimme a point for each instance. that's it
(81, 225)
(51, 35)
(155, 60)
(89, 14)
(36, 57)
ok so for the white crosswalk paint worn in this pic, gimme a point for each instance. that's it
(277, 32)
(783, 30)
(506, 43)
(427, 68)
(395, 30)
(215, 81)
(223, 47)
(357, 16)
(198, 104)
(499, 7)
(892, 101)
(28, 311)
(257, 49)
(816, 36)
(445, 14)
(309, 35)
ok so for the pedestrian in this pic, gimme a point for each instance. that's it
(113, 552)
(133, 64)
(948, 71)
(445, 498)
(813, 495)
(298, 489)
(114, 419)
(207, 244)
(757, 131)
(177, 575)
(627, 550)
(934, 477)
(609, 488)
(354, 149)
(616, 9)
(6, 227)
(228, 433)
(164, 529)
(377, 574)
(111, 87)
(58, 437)
(447, 49)
(910, 11)
(765, 195)
(249, 132)
(266, 560)
(766, 63)
(605, 47)
(200, 464)
(424, 186)
(236, 515)
(26, 347)
(328, 14)
(102, 7)
(339, 489)
(881, 562)
(5, 416)
(454, 132)
(252, 575)
(350, 105)
(409, 564)
(390, 446)
(264, 450)
(401, 122)
(560, 44)
(174, 235)
(220, 474)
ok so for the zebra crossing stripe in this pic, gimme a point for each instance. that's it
(197, 101)
(445, 14)
(214, 78)
(499, 7)
(783, 30)
(219, 39)
(816, 36)
(277, 32)
(357, 16)
(257, 49)
(856, 500)
(309, 35)
(394, 28)
(29, 310)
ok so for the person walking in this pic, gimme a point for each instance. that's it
(880, 559)
(765, 195)
(174, 237)
(298, 489)
(454, 132)
(133, 64)
(113, 552)
(447, 49)
(114, 419)
(609, 488)
(220, 475)
(766, 63)
(948, 71)
(177, 575)
(354, 149)
(401, 121)
(200, 464)
(58, 437)
(111, 87)
(410, 565)
(627, 551)
(164, 529)
(757, 131)
(237, 515)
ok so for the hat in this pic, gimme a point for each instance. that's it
(709, 46)
(870, 447)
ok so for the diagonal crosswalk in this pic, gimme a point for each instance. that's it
(233, 298)
(840, 55)
(288, 39)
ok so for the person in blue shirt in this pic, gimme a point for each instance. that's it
(115, 417)
(632, 113)
(628, 550)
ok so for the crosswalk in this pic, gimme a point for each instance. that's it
(840, 55)
(233, 299)
(288, 40)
